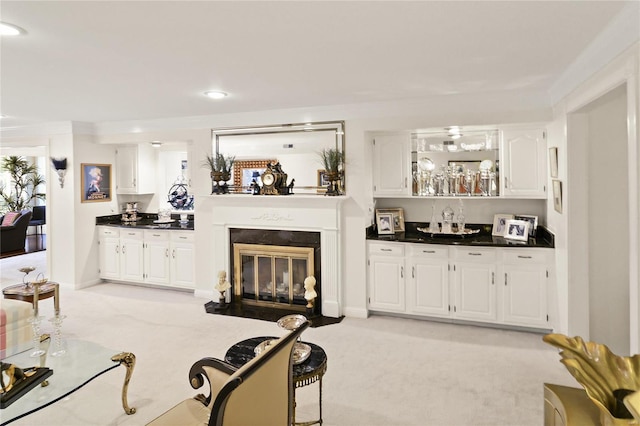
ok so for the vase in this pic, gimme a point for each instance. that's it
(219, 182)
(335, 183)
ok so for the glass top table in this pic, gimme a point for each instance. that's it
(81, 363)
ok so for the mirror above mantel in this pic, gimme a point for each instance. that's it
(295, 146)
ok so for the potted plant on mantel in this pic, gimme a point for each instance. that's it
(333, 162)
(220, 168)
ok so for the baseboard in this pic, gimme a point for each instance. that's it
(356, 313)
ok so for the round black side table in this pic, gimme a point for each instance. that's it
(305, 373)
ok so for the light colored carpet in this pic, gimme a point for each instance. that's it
(381, 371)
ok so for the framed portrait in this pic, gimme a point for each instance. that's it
(533, 222)
(385, 223)
(557, 195)
(499, 224)
(517, 229)
(245, 171)
(398, 218)
(553, 162)
(323, 182)
(96, 182)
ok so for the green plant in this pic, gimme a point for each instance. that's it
(218, 163)
(25, 179)
(332, 159)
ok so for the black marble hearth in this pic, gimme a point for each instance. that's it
(259, 313)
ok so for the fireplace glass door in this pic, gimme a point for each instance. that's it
(272, 275)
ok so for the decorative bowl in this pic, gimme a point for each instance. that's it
(291, 322)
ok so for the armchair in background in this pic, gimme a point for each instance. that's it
(13, 231)
(258, 393)
(38, 217)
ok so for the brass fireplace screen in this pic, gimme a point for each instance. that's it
(271, 275)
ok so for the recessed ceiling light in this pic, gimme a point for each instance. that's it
(10, 29)
(215, 94)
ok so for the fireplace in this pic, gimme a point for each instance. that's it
(269, 267)
(318, 218)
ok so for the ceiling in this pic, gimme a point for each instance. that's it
(94, 61)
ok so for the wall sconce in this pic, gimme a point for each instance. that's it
(60, 166)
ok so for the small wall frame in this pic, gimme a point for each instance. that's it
(96, 182)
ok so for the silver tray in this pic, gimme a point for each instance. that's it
(465, 232)
(291, 322)
(301, 351)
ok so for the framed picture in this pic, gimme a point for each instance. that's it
(323, 182)
(385, 223)
(245, 171)
(499, 224)
(517, 229)
(557, 195)
(553, 162)
(96, 182)
(533, 222)
(398, 218)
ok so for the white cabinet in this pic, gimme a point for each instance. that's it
(109, 252)
(525, 287)
(149, 256)
(181, 262)
(523, 165)
(156, 256)
(474, 272)
(135, 169)
(131, 255)
(497, 285)
(428, 286)
(392, 165)
(386, 277)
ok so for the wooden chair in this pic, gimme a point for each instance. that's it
(258, 393)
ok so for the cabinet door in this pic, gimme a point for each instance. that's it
(109, 260)
(126, 170)
(475, 291)
(391, 165)
(525, 295)
(523, 167)
(428, 291)
(156, 258)
(182, 268)
(132, 257)
(386, 283)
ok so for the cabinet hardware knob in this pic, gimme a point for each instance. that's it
(402, 272)
(124, 247)
(493, 276)
(413, 272)
(475, 254)
(524, 257)
(166, 253)
(385, 249)
(156, 235)
(428, 251)
(505, 279)
(173, 253)
(183, 238)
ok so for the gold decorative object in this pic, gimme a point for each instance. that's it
(129, 361)
(605, 376)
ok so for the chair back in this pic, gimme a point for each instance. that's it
(39, 213)
(261, 391)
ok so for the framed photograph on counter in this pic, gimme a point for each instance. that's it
(499, 224)
(517, 229)
(384, 222)
(398, 217)
(96, 182)
(533, 222)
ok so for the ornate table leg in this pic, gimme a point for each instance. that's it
(129, 361)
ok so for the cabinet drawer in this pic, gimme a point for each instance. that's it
(428, 251)
(182, 237)
(475, 255)
(386, 249)
(132, 234)
(524, 257)
(156, 235)
(108, 231)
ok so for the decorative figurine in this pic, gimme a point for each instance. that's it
(310, 293)
(222, 286)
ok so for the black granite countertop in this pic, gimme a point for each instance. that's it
(146, 221)
(543, 239)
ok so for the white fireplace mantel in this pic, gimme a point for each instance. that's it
(313, 213)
